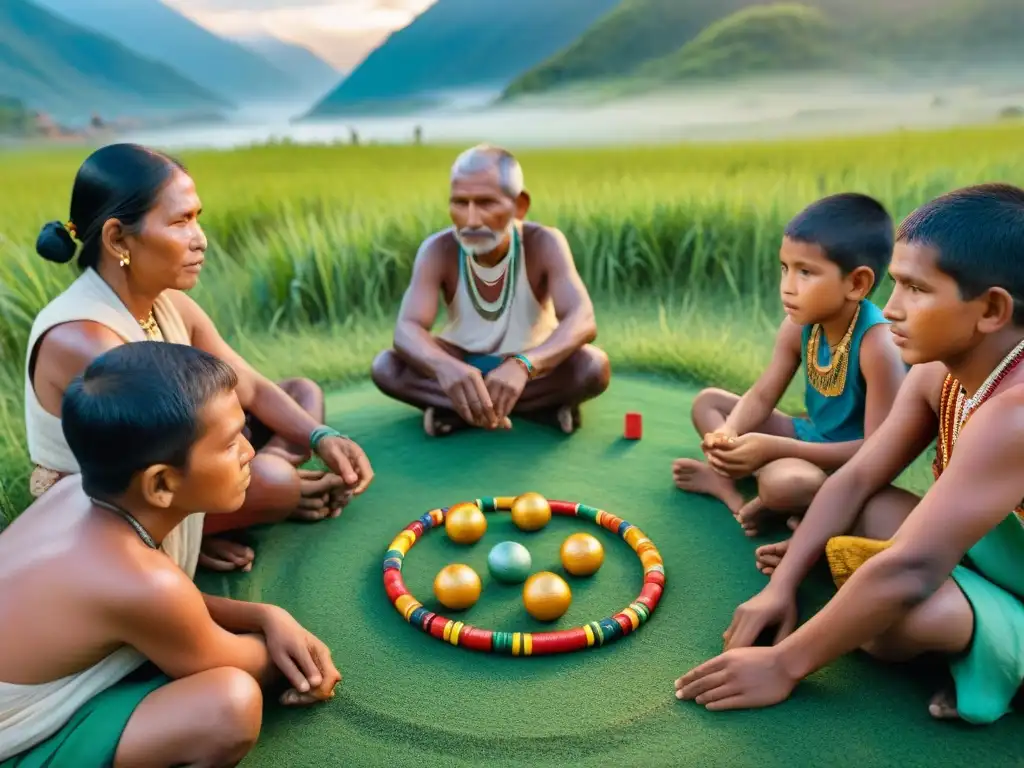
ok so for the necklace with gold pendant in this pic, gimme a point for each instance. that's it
(150, 328)
(830, 380)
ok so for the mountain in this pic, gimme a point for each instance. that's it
(153, 29)
(461, 45)
(905, 33)
(767, 39)
(52, 65)
(295, 60)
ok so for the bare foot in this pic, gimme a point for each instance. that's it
(749, 515)
(769, 556)
(943, 706)
(569, 418)
(695, 476)
(322, 496)
(438, 422)
(224, 555)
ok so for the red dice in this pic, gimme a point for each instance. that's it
(634, 426)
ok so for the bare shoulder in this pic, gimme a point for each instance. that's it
(187, 307)
(546, 241)
(67, 349)
(142, 585)
(925, 380)
(789, 337)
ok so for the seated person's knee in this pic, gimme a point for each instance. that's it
(597, 374)
(237, 715)
(384, 370)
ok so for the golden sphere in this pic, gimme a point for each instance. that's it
(457, 586)
(465, 523)
(582, 554)
(531, 511)
(546, 596)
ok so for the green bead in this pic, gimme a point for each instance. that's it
(509, 562)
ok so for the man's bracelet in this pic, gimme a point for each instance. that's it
(320, 433)
(524, 361)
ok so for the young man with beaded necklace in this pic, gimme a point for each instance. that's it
(934, 575)
(520, 320)
(832, 256)
(110, 654)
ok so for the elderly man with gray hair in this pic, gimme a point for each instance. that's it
(520, 322)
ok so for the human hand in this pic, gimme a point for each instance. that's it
(773, 606)
(743, 678)
(302, 658)
(720, 436)
(505, 384)
(346, 460)
(741, 456)
(465, 387)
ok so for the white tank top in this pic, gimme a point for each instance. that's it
(90, 298)
(514, 323)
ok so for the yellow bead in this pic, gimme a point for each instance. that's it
(546, 596)
(531, 511)
(582, 554)
(465, 523)
(457, 586)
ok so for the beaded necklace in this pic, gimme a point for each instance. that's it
(139, 529)
(471, 271)
(967, 405)
(829, 380)
(955, 408)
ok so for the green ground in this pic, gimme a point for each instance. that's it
(410, 700)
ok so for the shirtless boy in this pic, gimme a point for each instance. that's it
(833, 254)
(520, 320)
(116, 658)
(940, 574)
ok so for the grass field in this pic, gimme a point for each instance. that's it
(311, 247)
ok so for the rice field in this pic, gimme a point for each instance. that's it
(311, 246)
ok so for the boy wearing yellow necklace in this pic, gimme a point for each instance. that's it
(940, 574)
(832, 255)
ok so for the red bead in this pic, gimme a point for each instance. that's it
(624, 622)
(650, 594)
(558, 642)
(394, 585)
(654, 577)
(562, 508)
(475, 639)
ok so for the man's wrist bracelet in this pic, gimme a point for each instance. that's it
(524, 361)
(318, 434)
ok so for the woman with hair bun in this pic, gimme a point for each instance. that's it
(135, 228)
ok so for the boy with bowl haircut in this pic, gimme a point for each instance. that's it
(832, 256)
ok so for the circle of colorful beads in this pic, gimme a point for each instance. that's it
(595, 633)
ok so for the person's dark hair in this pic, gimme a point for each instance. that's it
(138, 405)
(854, 230)
(978, 233)
(119, 181)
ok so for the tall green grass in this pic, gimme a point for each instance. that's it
(311, 246)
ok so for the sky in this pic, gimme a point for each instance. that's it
(340, 31)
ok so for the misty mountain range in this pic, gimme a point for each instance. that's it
(141, 58)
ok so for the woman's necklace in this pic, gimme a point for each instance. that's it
(143, 533)
(149, 327)
(830, 380)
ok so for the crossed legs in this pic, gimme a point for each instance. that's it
(784, 486)
(554, 398)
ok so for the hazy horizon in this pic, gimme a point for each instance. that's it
(342, 32)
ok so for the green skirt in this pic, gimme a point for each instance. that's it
(90, 738)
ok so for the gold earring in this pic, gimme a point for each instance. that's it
(126, 259)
